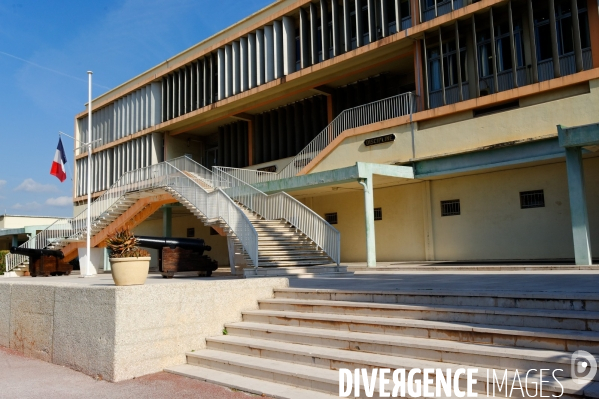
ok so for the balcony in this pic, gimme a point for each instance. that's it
(452, 95)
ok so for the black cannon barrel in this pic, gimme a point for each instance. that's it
(37, 252)
(197, 244)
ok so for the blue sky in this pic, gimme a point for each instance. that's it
(46, 49)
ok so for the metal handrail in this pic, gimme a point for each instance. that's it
(283, 206)
(215, 204)
(377, 111)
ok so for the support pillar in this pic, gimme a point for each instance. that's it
(167, 221)
(578, 206)
(15, 241)
(369, 221)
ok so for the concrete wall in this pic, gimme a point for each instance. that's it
(491, 224)
(118, 333)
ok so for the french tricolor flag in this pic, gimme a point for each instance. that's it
(60, 160)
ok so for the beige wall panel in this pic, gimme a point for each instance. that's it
(518, 124)
(492, 225)
(399, 236)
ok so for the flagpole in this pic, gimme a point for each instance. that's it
(88, 266)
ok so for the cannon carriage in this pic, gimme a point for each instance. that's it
(180, 255)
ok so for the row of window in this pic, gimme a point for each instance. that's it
(446, 69)
(528, 199)
(331, 218)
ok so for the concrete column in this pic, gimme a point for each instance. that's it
(304, 39)
(359, 24)
(278, 48)
(384, 25)
(347, 25)
(221, 73)
(228, 71)
(243, 48)
(236, 73)
(369, 221)
(288, 46)
(260, 58)
(252, 73)
(167, 221)
(336, 32)
(371, 21)
(314, 20)
(578, 206)
(269, 53)
(324, 29)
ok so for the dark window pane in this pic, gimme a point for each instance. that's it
(544, 42)
(567, 36)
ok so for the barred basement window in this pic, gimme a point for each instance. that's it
(450, 208)
(191, 232)
(532, 199)
(331, 217)
(378, 213)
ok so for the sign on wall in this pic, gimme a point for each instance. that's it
(379, 140)
(271, 168)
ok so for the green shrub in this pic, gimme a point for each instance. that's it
(2, 260)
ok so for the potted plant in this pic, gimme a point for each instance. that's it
(130, 264)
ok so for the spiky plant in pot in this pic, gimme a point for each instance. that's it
(123, 244)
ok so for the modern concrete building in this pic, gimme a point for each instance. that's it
(408, 130)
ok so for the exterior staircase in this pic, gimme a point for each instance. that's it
(264, 240)
(294, 345)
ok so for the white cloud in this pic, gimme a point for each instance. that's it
(60, 201)
(27, 207)
(32, 186)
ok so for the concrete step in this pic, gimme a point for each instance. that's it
(247, 384)
(489, 356)
(501, 299)
(295, 374)
(296, 271)
(335, 359)
(551, 319)
(525, 337)
(292, 263)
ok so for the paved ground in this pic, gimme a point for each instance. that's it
(24, 378)
(530, 281)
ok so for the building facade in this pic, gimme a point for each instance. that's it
(421, 130)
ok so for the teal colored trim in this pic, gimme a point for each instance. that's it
(336, 176)
(578, 207)
(579, 136)
(490, 158)
(10, 232)
(319, 179)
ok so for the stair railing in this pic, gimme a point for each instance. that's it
(283, 206)
(152, 176)
(377, 111)
(216, 204)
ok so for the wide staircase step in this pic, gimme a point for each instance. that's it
(302, 337)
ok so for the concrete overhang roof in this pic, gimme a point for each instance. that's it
(11, 232)
(338, 180)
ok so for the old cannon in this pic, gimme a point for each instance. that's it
(44, 262)
(180, 255)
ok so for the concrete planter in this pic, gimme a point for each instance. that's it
(130, 271)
